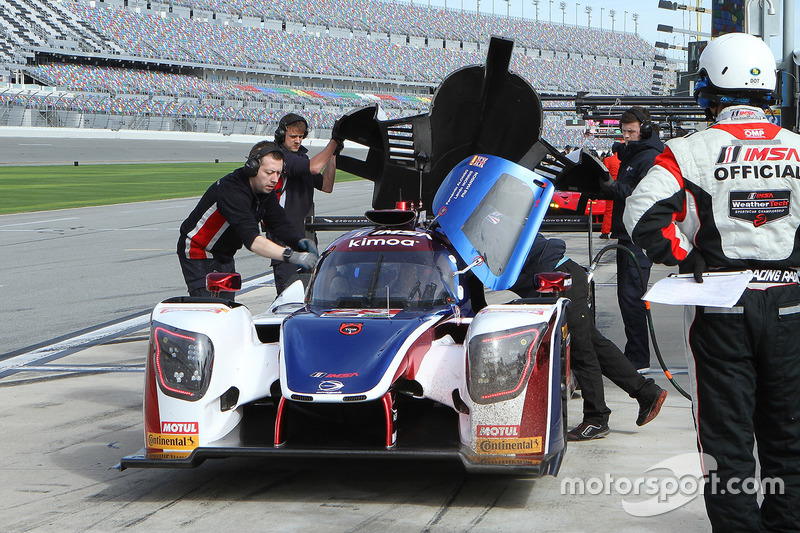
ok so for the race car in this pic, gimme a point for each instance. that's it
(391, 352)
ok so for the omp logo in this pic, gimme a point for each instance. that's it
(497, 432)
(179, 428)
(754, 133)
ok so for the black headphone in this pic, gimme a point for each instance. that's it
(254, 160)
(291, 118)
(646, 127)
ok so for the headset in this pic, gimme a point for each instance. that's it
(291, 118)
(646, 128)
(254, 161)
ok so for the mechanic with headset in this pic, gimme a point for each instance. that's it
(642, 145)
(296, 188)
(592, 355)
(228, 216)
(727, 199)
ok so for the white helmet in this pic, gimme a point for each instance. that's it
(736, 68)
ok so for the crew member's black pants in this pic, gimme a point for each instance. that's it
(594, 356)
(745, 365)
(195, 271)
(631, 306)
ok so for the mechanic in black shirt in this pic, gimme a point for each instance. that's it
(592, 355)
(228, 216)
(301, 176)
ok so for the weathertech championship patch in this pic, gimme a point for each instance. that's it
(759, 207)
(510, 446)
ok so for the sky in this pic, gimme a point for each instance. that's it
(650, 16)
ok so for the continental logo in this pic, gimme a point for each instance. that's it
(509, 446)
(497, 432)
(172, 442)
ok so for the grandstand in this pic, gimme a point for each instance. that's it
(235, 66)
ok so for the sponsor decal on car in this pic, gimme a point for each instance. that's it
(478, 161)
(497, 432)
(360, 313)
(350, 328)
(509, 446)
(331, 386)
(179, 428)
(172, 442)
(337, 376)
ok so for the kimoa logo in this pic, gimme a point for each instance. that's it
(179, 428)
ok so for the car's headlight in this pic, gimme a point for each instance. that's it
(501, 362)
(183, 361)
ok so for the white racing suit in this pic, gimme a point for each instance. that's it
(733, 193)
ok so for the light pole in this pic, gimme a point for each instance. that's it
(577, 4)
(550, 17)
(635, 18)
(601, 16)
(625, 22)
(536, 6)
(563, 6)
(613, 15)
(588, 16)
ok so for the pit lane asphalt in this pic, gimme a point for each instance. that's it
(67, 421)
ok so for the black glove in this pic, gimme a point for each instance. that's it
(336, 132)
(307, 245)
(606, 180)
(695, 264)
(339, 147)
(305, 260)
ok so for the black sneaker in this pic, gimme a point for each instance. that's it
(650, 407)
(586, 431)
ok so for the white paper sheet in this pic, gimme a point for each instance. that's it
(719, 289)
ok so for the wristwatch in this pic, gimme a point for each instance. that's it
(287, 253)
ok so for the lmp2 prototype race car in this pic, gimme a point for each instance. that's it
(391, 352)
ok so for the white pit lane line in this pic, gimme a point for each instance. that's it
(25, 361)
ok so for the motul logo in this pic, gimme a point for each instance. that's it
(179, 428)
(498, 432)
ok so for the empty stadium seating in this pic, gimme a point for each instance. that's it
(409, 44)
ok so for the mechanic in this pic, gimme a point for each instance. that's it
(592, 355)
(698, 209)
(296, 188)
(642, 145)
(227, 217)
